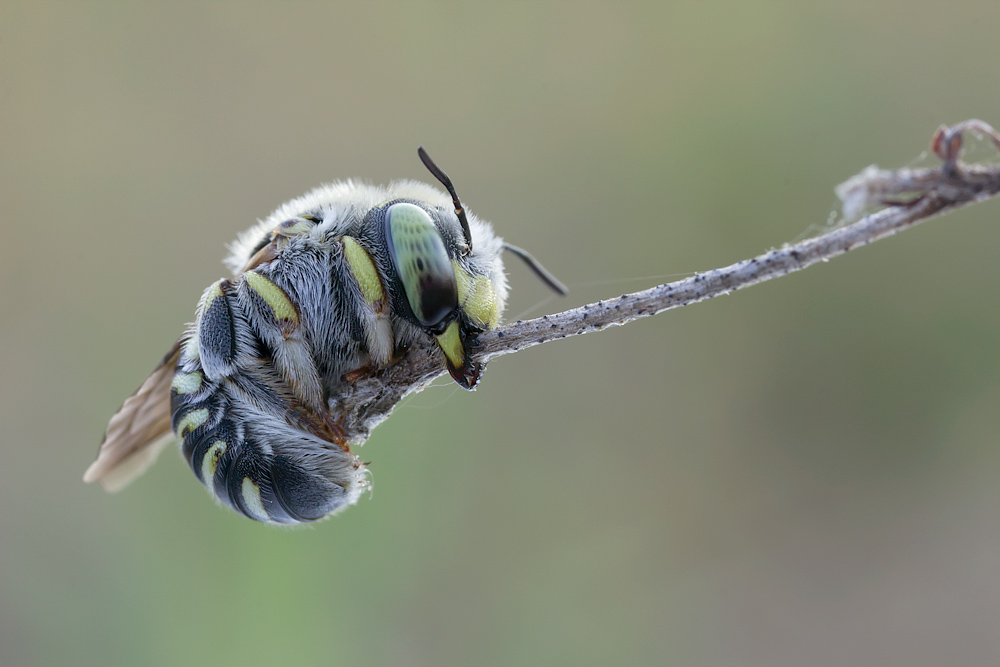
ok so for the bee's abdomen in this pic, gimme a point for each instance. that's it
(255, 462)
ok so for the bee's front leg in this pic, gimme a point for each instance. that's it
(363, 285)
(370, 369)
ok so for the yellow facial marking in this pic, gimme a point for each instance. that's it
(251, 496)
(463, 279)
(451, 345)
(363, 270)
(191, 421)
(186, 383)
(477, 298)
(273, 296)
(211, 461)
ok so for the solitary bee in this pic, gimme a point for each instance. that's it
(331, 287)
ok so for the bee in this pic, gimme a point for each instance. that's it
(331, 287)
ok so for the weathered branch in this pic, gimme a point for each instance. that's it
(911, 196)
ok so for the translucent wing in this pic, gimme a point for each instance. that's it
(139, 431)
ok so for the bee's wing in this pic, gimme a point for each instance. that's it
(138, 432)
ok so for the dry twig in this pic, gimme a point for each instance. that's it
(910, 196)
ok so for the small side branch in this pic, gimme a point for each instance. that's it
(911, 196)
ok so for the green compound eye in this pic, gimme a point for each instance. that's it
(422, 263)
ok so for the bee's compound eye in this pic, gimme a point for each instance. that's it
(422, 263)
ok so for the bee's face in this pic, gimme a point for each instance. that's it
(432, 289)
(331, 287)
(405, 249)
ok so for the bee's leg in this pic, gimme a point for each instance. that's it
(275, 319)
(250, 458)
(366, 371)
(370, 369)
(361, 279)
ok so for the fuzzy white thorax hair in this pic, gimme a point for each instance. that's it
(341, 203)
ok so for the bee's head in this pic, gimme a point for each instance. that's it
(433, 286)
(437, 285)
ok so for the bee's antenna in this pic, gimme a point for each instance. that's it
(537, 267)
(446, 182)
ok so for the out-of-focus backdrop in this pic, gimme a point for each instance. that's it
(803, 473)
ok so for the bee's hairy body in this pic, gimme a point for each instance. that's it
(331, 287)
(315, 296)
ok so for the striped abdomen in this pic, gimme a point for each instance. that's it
(253, 460)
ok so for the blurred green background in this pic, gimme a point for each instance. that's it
(804, 473)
